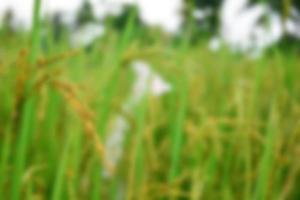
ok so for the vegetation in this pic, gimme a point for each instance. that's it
(229, 129)
(85, 14)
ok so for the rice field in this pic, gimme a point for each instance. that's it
(227, 128)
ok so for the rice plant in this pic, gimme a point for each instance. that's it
(224, 127)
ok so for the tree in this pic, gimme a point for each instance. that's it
(85, 14)
(282, 6)
(130, 12)
(8, 21)
(57, 27)
(199, 28)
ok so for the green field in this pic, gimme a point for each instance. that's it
(229, 128)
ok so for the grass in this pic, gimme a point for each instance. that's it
(27, 124)
(229, 129)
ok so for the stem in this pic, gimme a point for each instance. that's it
(28, 113)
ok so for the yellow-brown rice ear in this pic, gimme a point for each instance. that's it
(42, 62)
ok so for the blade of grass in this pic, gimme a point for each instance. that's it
(49, 140)
(59, 183)
(137, 169)
(265, 164)
(4, 162)
(177, 131)
(28, 113)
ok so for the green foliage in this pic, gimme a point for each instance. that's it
(229, 129)
(85, 14)
(119, 22)
(58, 27)
(7, 25)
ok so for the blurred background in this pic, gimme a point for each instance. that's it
(243, 25)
